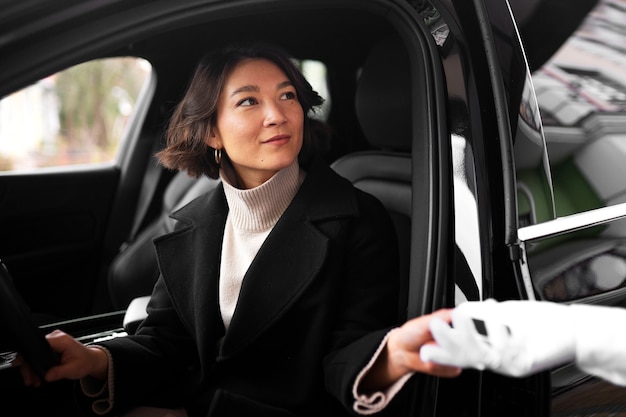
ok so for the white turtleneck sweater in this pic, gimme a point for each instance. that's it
(252, 215)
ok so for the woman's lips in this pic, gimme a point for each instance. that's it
(278, 139)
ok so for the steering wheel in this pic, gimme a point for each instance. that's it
(25, 337)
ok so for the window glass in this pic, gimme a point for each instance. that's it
(315, 73)
(581, 92)
(76, 116)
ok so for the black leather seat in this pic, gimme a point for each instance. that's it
(134, 270)
(383, 107)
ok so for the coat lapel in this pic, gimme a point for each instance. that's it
(189, 260)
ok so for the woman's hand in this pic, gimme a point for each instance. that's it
(405, 342)
(401, 355)
(75, 361)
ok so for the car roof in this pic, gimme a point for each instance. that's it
(68, 31)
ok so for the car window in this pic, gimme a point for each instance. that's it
(76, 116)
(315, 73)
(581, 92)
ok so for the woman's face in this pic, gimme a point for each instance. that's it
(259, 121)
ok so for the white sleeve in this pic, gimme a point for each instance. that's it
(520, 338)
(372, 403)
(601, 341)
(101, 392)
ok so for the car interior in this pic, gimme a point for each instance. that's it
(375, 119)
(77, 240)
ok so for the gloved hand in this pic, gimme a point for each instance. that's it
(513, 338)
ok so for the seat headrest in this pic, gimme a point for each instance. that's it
(383, 96)
(176, 191)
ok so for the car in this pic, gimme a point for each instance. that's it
(492, 131)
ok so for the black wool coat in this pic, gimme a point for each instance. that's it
(314, 305)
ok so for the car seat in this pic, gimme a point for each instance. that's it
(134, 271)
(385, 111)
(383, 107)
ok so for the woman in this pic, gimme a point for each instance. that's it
(278, 290)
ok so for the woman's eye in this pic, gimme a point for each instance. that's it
(289, 95)
(246, 102)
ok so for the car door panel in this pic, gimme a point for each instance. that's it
(53, 252)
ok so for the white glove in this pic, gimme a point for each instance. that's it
(513, 338)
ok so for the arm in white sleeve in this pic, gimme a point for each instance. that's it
(601, 341)
(520, 338)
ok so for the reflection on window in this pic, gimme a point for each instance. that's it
(609, 94)
(570, 94)
(583, 269)
(581, 93)
(75, 116)
(581, 90)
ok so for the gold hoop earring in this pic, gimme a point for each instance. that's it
(218, 156)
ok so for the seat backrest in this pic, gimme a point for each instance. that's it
(383, 107)
(134, 271)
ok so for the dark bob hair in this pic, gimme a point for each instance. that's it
(186, 146)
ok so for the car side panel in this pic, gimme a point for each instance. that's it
(53, 253)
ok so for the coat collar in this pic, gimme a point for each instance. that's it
(288, 261)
